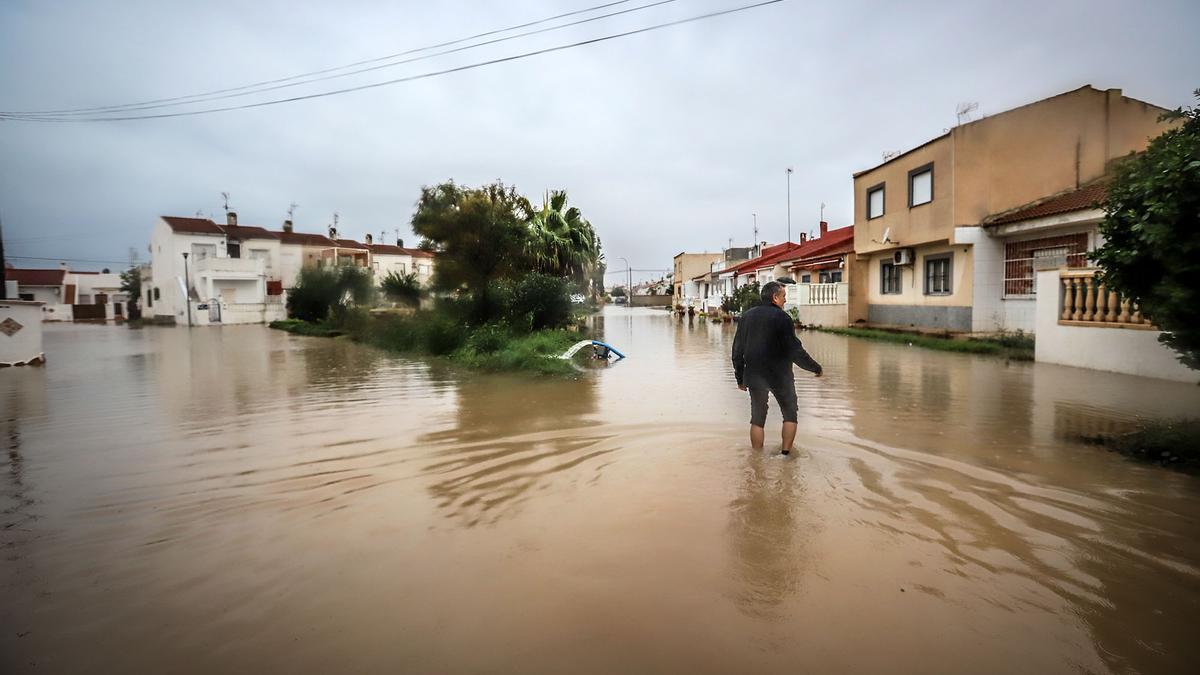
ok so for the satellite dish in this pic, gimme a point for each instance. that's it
(887, 231)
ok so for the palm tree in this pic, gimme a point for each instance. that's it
(561, 241)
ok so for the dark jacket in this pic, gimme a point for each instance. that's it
(765, 347)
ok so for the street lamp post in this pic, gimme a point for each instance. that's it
(789, 203)
(187, 294)
(628, 283)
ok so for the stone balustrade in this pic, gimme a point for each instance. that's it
(1087, 302)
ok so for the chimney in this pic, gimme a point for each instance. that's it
(803, 237)
(231, 218)
(332, 232)
(399, 242)
(824, 229)
(370, 239)
(287, 226)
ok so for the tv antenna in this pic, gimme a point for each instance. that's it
(755, 217)
(822, 211)
(225, 196)
(965, 109)
(292, 209)
(888, 154)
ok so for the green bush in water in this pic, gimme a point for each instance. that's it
(540, 301)
(322, 292)
(489, 338)
(442, 335)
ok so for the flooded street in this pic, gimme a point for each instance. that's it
(241, 499)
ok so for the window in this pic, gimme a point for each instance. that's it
(233, 249)
(831, 277)
(875, 201)
(156, 294)
(149, 298)
(806, 279)
(28, 297)
(202, 251)
(937, 274)
(1019, 258)
(889, 278)
(920, 185)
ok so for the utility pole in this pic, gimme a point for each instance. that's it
(3, 270)
(789, 203)
(187, 293)
(628, 283)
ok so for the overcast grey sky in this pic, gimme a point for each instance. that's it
(667, 140)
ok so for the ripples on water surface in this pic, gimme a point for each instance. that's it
(241, 499)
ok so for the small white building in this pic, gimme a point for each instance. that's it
(1059, 230)
(71, 295)
(226, 273)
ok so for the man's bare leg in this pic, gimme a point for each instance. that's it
(789, 436)
(757, 434)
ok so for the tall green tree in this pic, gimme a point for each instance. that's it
(480, 234)
(561, 242)
(1151, 230)
(131, 286)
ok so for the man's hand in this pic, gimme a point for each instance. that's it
(742, 387)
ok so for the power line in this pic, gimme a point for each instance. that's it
(82, 260)
(399, 80)
(250, 90)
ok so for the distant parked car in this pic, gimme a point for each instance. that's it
(620, 300)
(578, 298)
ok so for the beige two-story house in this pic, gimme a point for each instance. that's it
(919, 216)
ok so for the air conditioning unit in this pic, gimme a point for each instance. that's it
(902, 256)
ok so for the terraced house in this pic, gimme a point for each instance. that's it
(950, 231)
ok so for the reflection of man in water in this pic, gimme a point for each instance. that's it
(764, 349)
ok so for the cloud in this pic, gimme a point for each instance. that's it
(667, 140)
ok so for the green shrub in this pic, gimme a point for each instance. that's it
(489, 338)
(540, 301)
(315, 294)
(402, 288)
(324, 292)
(442, 335)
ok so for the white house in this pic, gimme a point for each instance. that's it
(226, 273)
(1059, 230)
(70, 295)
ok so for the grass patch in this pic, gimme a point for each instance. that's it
(1016, 347)
(1171, 443)
(299, 327)
(491, 347)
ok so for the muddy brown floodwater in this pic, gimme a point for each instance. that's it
(243, 500)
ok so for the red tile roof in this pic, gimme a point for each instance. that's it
(305, 239)
(193, 225)
(1078, 199)
(35, 277)
(770, 256)
(388, 249)
(834, 242)
(349, 243)
(240, 232)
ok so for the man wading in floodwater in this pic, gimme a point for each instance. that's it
(764, 349)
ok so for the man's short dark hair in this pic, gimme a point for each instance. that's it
(769, 290)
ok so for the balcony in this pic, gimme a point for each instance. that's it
(818, 294)
(1086, 302)
(230, 268)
